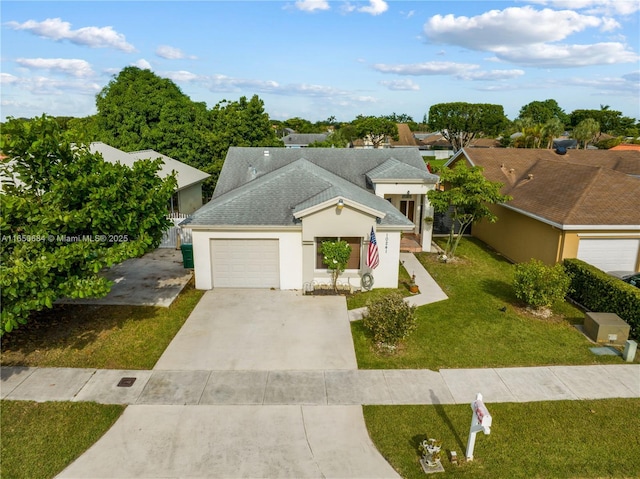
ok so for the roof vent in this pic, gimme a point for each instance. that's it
(561, 150)
(266, 152)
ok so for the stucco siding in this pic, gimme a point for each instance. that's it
(350, 222)
(290, 251)
(520, 238)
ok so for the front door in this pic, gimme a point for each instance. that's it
(407, 207)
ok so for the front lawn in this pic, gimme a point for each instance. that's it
(40, 439)
(470, 330)
(108, 337)
(559, 439)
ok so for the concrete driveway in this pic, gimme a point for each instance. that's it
(263, 330)
(154, 279)
(244, 331)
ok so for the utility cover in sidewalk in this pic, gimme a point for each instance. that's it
(126, 382)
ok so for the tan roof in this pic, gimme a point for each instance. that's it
(583, 187)
(405, 136)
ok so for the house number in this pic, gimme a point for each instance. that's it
(386, 243)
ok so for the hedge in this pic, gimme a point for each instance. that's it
(597, 291)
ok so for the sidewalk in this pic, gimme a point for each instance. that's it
(322, 388)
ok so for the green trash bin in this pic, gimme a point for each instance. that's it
(187, 255)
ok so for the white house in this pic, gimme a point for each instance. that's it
(273, 207)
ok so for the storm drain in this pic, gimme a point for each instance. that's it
(126, 382)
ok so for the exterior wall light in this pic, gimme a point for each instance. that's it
(340, 204)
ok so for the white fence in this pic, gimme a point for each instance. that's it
(175, 235)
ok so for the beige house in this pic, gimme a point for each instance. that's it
(583, 204)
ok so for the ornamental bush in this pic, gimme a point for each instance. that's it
(539, 285)
(390, 319)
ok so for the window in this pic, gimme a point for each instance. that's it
(354, 260)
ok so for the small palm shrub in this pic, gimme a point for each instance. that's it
(540, 285)
(390, 319)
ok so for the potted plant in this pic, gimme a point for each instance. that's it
(413, 287)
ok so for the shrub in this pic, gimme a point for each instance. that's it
(597, 291)
(390, 319)
(335, 257)
(539, 285)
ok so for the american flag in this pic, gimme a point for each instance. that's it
(372, 254)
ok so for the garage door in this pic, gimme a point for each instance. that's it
(245, 263)
(610, 254)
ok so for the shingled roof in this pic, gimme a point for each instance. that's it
(582, 188)
(260, 187)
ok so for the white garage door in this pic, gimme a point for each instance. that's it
(245, 263)
(610, 254)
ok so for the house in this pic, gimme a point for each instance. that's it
(303, 140)
(187, 197)
(272, 209)
(578, 204)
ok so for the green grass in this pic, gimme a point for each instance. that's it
(469, 331)
(360, 299)
(560, 439)
(40, 439)
(88, 336)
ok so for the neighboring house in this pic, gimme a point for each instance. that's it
(187, 197)
(405, 138)
(626, 147)
(273, 207)
(580, 204)
(303, 140)
(433, 146)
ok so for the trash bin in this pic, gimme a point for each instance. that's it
(187, 255)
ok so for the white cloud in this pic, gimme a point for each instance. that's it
(312, 5)
(401, 85)
(182, 76)
(526, 36)
(74, 67)
(607, 7)
(565, 56)
(375, 7)
(7, 79)
(94, 37)
(39, 85)
(171, 53)
(511, 27)
(143, 64)
(462, 71)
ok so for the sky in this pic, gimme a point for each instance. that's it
(316, 59)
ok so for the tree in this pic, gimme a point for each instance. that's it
(68, 215)
(553, 128)
(467, 194)
(611, 121)
(335, 257)
(375, 128)
(334, 140)
(543, 111)
(587, 131)
(459, 123)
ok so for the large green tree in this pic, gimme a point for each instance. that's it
(139, 110)
(375, 128)
(467, 194)
(587, 131)
(610, 121)
(66, 215)
(543, 111)
(460, 122)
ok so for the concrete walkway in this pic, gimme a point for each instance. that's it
(322, 388)
(430, 291)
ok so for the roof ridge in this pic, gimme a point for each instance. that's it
(584, 193)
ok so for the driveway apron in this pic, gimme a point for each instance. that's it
(239, 331)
